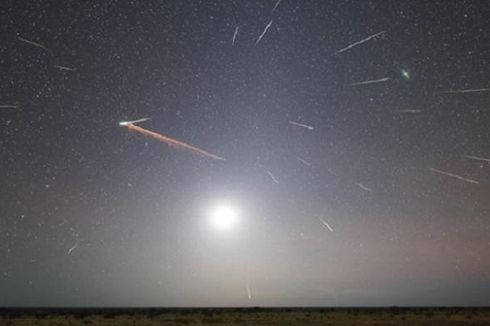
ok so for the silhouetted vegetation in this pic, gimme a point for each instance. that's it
(249, 316)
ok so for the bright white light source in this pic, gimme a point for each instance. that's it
(224, 217)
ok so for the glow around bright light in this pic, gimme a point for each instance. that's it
(224, 217)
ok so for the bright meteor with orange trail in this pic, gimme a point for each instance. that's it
(169, 141)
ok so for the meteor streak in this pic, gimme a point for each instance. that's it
(301, 125)
(363, 187)
(71, 249)
(169, 141)
(303, 161)
(373, 81)
(276, 5)
(127, 123)
(64, 68)
(360, 42)
(477, 158)
(272, 177)
(326, 224)
(462, 91)
(263, 33)
(32, 43)
(409, 111)
(8, 106)
(235, 35)
(249, 293)
(454, 176)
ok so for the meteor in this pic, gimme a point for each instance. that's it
(263, 33)
(63, 68)
(326, 224)
(8, 106)
(169, 141)
(71, 249)
(38, 45)
(127, 123)
(373, 81)
(360, 42)
(454, 176)
(477, 158)
(301, 125)
(235, 35)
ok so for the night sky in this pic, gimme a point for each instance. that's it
(356, 137)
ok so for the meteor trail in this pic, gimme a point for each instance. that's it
(263, 33)
(276, 5)
(33, 43)
(360, 42)
(272, 177)
(477, 158)
(373, 81)
(409, 111)
(169, 141)
(326, 224)
(303, 161)
(71, 249)
(63, 68)
(8, 106)
(249, 293)
(454, 176)
(462, 91)
(301, 125)
(234, 35)
(127, 123)
(363, 187)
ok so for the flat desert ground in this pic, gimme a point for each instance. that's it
(244, 316)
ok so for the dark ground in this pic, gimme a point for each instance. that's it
(245, 316)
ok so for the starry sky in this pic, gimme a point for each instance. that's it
(355, 133)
